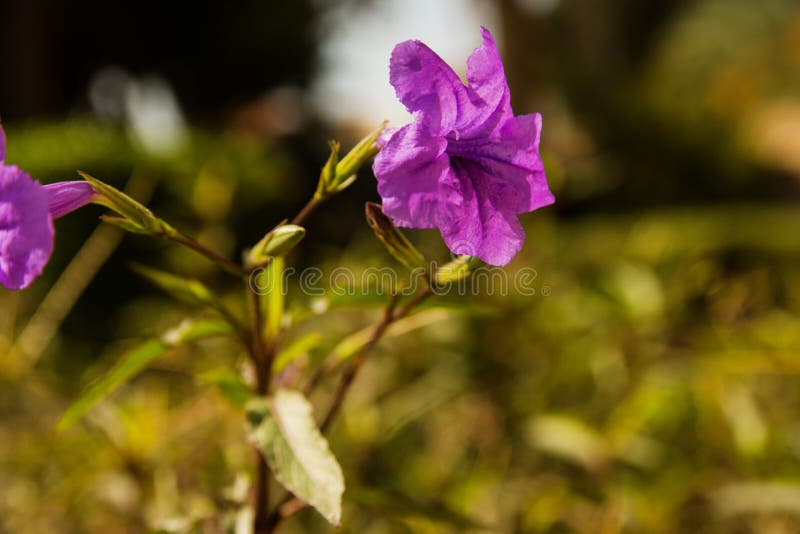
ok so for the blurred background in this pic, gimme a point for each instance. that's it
(650, 384)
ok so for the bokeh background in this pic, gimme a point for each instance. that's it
(650, 385)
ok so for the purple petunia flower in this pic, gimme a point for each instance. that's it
(27, 210)
(466, 165)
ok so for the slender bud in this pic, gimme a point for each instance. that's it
(134, 217)
(338, 174)
(363, 151)
(279, 241)
(328, 175)
(458, 269)
(393, 240)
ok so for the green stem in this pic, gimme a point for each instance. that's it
(289, 505)
(230, 266)
(307, 210)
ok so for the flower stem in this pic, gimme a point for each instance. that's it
(262, 363)
(230, 266)
(307, 210)
(290, 505)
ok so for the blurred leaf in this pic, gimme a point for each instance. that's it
(184, 289)
(136, 360)
(193, 329)
(395, 503)
(230, 385)
(569, 439)
(284, 430)
(350, 345)
(295, 350)
(758, 497)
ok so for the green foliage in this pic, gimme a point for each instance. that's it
(136, 360)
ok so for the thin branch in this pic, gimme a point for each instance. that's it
(307, 210)
(230, 266)
(355, 363)
(258, 356)
(290, 504)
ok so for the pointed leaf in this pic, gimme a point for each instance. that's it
(185, 289)
(283, 429)
(295, 350)
(135, 361)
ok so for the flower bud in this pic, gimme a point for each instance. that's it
(328, 175)
(338, 174)
(279, 241)
(456, 270)
(393, 240)
(134, 217)
(365, 149)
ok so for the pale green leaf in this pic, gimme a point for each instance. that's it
(282, 427)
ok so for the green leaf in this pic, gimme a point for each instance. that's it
(185, 289)
(193, 329)
(283, 429)
(295, 350)
(350, 345)
(131, 364)
(135, 361)
(230, 385)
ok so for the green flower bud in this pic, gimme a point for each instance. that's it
(338, 174)
(458, 269)
(134, 217)
(393, 240)
(328, 175)
(279, 241)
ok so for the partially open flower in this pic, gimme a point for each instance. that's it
(27, 210)
(466, 165)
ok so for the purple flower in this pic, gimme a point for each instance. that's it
(27, 210)
(466, 165)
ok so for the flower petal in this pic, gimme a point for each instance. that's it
(409, 168)
(509, 163)
(471, 224)
(427, 86)
(26, 229)
(487, 81)
(65, 197)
